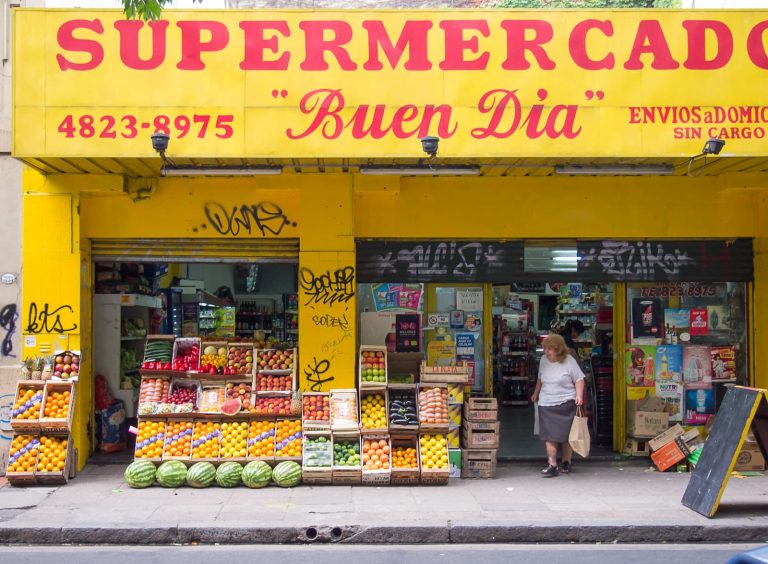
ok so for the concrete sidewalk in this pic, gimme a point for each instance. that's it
(599, 502)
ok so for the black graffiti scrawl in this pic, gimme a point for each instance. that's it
(264, 218)
(329, 287)
(8, 318)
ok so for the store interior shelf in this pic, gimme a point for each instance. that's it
(514, 402)
(516, 378)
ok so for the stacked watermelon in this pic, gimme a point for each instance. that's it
(174, 474)
(140, 474)
(228, 474)
(257, 474)
(287, 474)
(201, 475)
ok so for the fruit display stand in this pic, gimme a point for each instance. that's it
(317, 458)
(177, 444)
(377, 468)
(233, 444)
(402, 408)
(373, 411)
(261, 440)
(372, 368)
(58, 403)
(444, 374)
(316, 411)
(27, 406)
(406, 462)
(275, 371)
(344, 413)
(240, 359)
(183, 396)
(433, 408)
(213, 358)
(288, 440)
(347, 461)
(240, 389)
(55, 460)
(22, 460)
(206, 439)
(158, 349)
(153, 391)
(150, 439)
(433, 451)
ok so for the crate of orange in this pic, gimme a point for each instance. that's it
(150, 439)
(377, 467)
(58, 406)
(406, 464)
(206, 439)
(288, 439)
(54, 461)
(22, 460)
(177, 444)
(27, 405)
(261, 440)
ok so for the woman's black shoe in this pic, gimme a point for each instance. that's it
(549, 472)
(566, 469)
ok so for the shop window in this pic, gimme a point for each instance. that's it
(687, 342)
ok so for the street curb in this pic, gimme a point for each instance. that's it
(381, 534)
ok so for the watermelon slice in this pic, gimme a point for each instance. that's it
(232, 407)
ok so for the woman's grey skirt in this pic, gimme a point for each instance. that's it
(555, 421)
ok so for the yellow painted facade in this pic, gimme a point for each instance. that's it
(66, 121)
(61, 214)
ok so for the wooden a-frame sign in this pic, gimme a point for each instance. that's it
(742, 408)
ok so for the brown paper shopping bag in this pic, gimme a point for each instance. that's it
(579, 435)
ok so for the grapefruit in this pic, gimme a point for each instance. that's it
(232, 406)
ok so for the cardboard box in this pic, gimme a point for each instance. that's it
(455, 394)
(647, 424)
(453, 438)
(669, 435)
(636, 447)
(750, 458)
(670, 454)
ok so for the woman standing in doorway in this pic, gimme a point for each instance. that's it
(559, 389)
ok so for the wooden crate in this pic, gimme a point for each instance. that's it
(265, 440)
(347, 474)
(426, 426)
(433, 476)
(243, 372)
(402, 392)
(57, 425)
(478, 463)
(317, 474)
(181, 345)
(23, 477)
(28, 425)
(263, 373)
(377, 477)
(444, 374)
(480, 434)
(169, 439)
(308, 423)
(481, 409)
(365, 392)
(405, 476)
(344, 411)
(212, 436)
(154, 441)
(59, 476)
(280, 446)
(373, 349)
(242, 446)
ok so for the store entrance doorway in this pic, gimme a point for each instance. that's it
(523, 313)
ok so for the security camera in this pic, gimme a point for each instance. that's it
(160, 142)
(429, 145)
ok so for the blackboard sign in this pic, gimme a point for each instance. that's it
(741, 409)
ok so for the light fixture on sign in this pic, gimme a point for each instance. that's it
(615, 170)
(221, 170)
(432, 170)
(713, 146)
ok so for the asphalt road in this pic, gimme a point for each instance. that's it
(333, 554)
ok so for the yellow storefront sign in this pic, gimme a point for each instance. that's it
(368, 84)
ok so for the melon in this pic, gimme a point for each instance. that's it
(172, 474)
(287, 474)
(140, 474)
(257, 474)
(210, 350)
(232, 407)
(201, 475)
(228, 474)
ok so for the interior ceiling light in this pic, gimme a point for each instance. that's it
(615, 170)
(433, 170)
(221, 171)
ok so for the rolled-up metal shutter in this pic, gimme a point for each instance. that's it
(196, 250)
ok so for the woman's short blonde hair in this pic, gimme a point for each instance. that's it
(556, 343)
